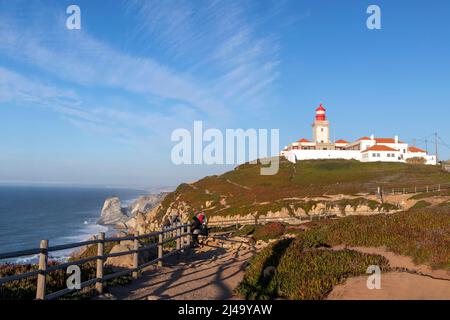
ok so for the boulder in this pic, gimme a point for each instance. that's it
(112, 212)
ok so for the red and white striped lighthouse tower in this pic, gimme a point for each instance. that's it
(321, 113)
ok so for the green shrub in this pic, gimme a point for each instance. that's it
(269, 231)
(244, 231)
(421, 204)
(301, 270)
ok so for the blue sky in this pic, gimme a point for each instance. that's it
(98, 105)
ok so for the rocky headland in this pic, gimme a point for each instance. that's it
(132, 216)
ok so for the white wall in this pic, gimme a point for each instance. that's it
(298, 155)
(370, 156)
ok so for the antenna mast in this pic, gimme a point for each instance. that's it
(437, 151)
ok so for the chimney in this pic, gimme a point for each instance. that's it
(396, 139)
(372, 137)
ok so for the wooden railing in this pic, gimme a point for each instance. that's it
(263, 220)
(421, 189)
(180, 233)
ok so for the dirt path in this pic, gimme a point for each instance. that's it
(210, 273)
(417, 282)
(214, 271)
(394, 286)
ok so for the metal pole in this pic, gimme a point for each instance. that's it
(437, 151)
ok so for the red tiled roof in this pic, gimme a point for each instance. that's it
(416, 150)
(386, 140)
(363, 138)
(378, 147)
(304, 140)
(342, 141)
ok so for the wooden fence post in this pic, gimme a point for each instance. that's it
(136, 255)
(188, 237)
(160, 249)
(178, 233)
(43, 258)
(182, 239)
(100, 252)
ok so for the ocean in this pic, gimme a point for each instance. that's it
(59, 214)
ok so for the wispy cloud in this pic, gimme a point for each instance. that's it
(223, 40)
(79, 58)
(216, 60)
(126, 125)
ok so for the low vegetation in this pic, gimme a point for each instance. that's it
(308, 268)
(266, 232)
(26, 289)
(301, 270)
(272, 230)
(421, 205)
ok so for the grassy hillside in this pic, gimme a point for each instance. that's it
(305, 268)
(244, 187)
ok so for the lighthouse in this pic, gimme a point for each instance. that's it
(321, 126)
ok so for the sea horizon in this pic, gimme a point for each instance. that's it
(60, 214)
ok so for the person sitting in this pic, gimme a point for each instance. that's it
(199, 227)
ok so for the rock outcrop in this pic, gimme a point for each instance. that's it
(113, 213)
(146, 203)
(134, 217)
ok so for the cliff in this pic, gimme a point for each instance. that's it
(304, 188)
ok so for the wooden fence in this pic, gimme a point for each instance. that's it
(421, 189)
(263, 220)
(179, 233)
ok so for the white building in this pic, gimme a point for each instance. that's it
(367, 149)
